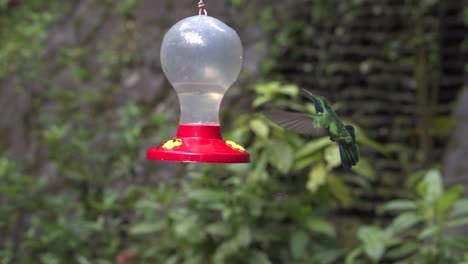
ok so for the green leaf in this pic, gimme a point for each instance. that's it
(403, 250)
(339, 190)
(317, 177)
(313, 147)
(187, 227)
(364, 168)
(403, 222)
(259, 128)
(399, 205)
(227, 248)
(258, 257)
(244, 237)
(458, 222)
(460, 208)
(3, 166)
(147, 228)
(431, 188)
(321, 226)
(82, 260)
(282, 156)
(373, 240)
(260, 100)
(361, 138)
(290, 89)
(238, 4)
(172, 260)
(307, 161)
(442, 125)
(259, 173)
(352, 256)
(298, 244)
(448, 199)
(205, 195)
(428, 232)
(219, 229)
(332, 156)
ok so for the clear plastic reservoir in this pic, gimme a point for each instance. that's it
(202, 57)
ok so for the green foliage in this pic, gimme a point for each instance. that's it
(265, 211)
(23, 31)
(277, 209)
(260, 211)
(96, 200)
(418, 233)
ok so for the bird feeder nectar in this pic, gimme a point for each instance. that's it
(201, 57)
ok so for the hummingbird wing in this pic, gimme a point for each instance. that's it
(297, 122)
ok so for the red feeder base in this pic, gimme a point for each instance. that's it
(198, 143)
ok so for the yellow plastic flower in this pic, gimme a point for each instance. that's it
(177, 142)
(170, 144)
(234, 145)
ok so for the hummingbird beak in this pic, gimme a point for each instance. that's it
(311, 97)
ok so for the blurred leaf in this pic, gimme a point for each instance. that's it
(321, 226)
(313, 146)
(403, 222)
(460, 208)
(353, 255)
(56, 132)
(317, 177)
(431, 186)
(458, 222)
(259, 128)
(298, 244)
(282, 156)
(372, 143)
(332, 156)
(428, 232)
(443, 125)
(399, 205)
(147, 228)
(403, 250)
(374, 243)
(258, 257)
(188, 227)
(339, 190)
(227, 248)
(291, 90)
(172, 260)
(448, 199)
(238, 3)
(465, 20)
(3, 166)
(205, 195)
(307, 161)
(244, 236)
(260, 101)
(83, 260)
(364, 168)
(259, 171)
(219, 229)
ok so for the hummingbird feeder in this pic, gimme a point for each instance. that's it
(201, 57)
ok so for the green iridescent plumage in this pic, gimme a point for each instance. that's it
(324, 122)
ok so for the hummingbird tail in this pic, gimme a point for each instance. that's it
(349, 153)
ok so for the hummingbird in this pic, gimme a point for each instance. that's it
(324, 122)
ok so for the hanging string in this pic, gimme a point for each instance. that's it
(201, 8)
